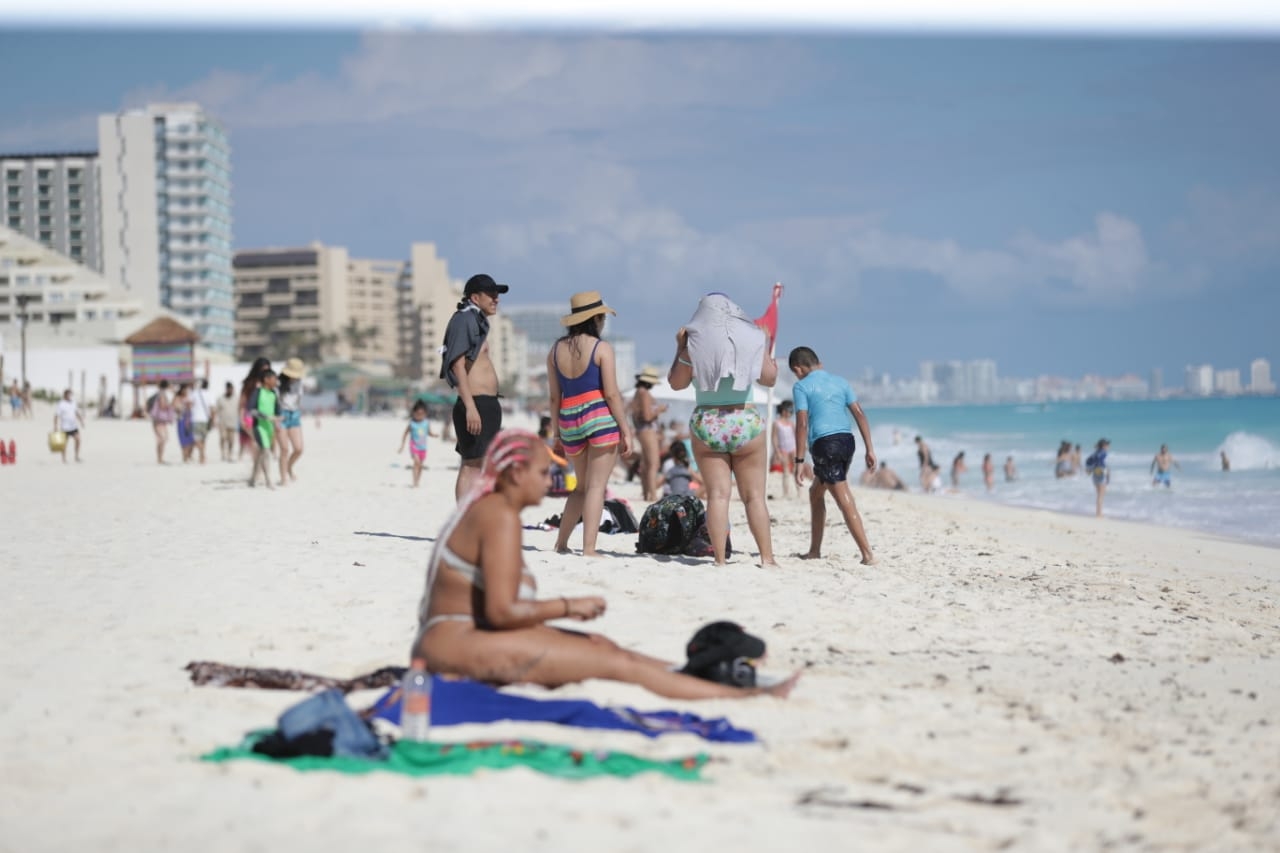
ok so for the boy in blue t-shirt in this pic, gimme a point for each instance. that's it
(823, 405)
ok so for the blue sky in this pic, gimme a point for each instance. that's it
(1062, 205)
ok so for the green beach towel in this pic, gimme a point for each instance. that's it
(459, 759)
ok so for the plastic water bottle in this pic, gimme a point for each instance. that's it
(415, 703)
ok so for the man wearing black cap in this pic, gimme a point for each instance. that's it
(465, 364)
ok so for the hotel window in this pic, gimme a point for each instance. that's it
(43, 206)
(307, 297)
(277, 285)
(15, 191)
(44, 190)
(15, 222)
(74, 174)
(44, 174)
(74, 219)
(73, 189)
(77, 235)
(46, 236)
(46, 221)
(76, 251)
(15, 207)
(73, 204)
(279, 312)
(14, 174)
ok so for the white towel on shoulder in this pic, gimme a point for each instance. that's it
(724, 341)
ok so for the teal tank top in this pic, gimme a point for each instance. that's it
(723, 394)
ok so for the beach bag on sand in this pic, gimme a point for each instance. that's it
(619, 518)
(322, 725)
(676, 524)
(723, 652)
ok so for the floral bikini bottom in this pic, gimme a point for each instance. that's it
(725, 430)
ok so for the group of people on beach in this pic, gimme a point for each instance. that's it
(480, 614)
(19, 395)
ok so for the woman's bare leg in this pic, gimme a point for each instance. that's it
(542, 655)
(282, 436)
(651, 452)
(295, 441)
(162, 436)
(599, 464)
(572, 512)
(717, 476)
(751, 466)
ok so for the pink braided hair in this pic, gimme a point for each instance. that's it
(509, 449)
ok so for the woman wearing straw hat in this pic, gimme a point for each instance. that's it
(290, 432)
(644, 417)
(721, 352)
(590, 420)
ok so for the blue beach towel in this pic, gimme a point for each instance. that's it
(454, 702)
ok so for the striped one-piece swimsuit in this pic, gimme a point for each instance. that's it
(584, 415)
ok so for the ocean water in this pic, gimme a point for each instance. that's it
(1241, 504)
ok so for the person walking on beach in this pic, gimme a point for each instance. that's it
(1010, 470)
(1161, 467)
(1096, 466)
(26, 400)
(465, 364)
(266, 420)
(646, 416)
(957, 468)
(416, 434)
(591, 423)
(988, 472)
(248, 396)
(15, 399)
(227, 418)
(68, 418)
(290, 432)
(721, 351)
(160, 410)
(201, 415)
(824, 403)
(182, 413)
(784, 445)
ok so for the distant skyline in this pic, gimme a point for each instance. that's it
(1060, 205)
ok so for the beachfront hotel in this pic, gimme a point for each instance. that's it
(165, 211)
(320, 304)
(53, 199)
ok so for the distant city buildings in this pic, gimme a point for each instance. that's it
(320, 304)
(979, 382)
(1260, 377)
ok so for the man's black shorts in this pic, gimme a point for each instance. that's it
(474, 446)
(832, 456)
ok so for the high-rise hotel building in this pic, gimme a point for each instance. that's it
(165, 202)
(53, 200)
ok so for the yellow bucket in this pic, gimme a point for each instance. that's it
(570, 482)
(57, 441)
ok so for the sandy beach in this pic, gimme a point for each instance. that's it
(1004, 679)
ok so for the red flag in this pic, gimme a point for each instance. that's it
(769, 321)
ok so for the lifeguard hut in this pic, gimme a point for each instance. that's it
(162, 349)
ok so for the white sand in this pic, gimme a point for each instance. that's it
(975, 662)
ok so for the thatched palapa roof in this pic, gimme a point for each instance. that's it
(163, 330)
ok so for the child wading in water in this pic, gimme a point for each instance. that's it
(824, 403)
(416, 434)
(263, 409)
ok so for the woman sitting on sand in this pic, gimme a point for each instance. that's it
(480, 617)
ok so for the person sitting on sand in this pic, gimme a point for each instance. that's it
(480, 616)
(882, 478)
(824, 403)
